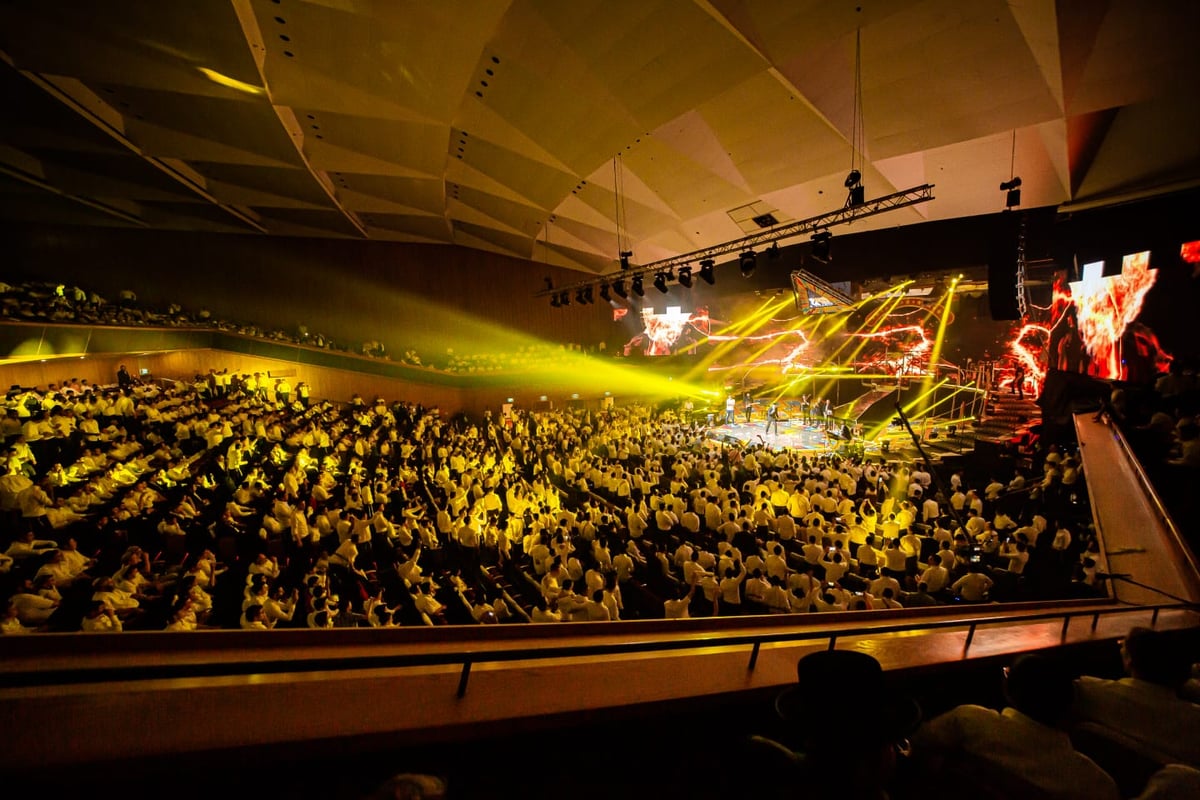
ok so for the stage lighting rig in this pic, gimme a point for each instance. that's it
(1013, 187)
(821, 246)
(637, 286)
(663, 278)
(856, 192)
(742, 249)
(685, 277)
(747, 261)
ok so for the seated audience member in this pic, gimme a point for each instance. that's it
(1020, 751)
(1146, 706)
(839, 744)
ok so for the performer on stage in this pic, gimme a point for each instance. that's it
(729, 404)
(747, 404)
(773, 417)
(827, 412)
(804, 409)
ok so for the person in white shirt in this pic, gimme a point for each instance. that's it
(1024, 750)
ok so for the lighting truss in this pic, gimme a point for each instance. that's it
(842, 216)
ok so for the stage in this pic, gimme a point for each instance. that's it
(793, 435)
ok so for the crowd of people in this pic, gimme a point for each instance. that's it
(239, 501)
(1038, 730)
(60, 303)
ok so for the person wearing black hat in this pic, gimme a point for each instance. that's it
(842, 744)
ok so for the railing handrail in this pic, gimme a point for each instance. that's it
(1152, 494)
(497, 652)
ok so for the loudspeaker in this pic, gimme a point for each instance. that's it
(1002, 270)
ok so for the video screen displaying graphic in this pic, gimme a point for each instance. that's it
(670, 331)
(1094, 326)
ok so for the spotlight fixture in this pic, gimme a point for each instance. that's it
(685, 277)
(625, 256)
(636, 285)
(820, 246)
(554, 303)
(564, 299)
(1013, 187)
(706, 271)
(773, 252)
(604, 295)
(747, 261)
(579, 297)
(951, 429)
(660, 282)
(549, 283)
(857, 192)
(619, 287)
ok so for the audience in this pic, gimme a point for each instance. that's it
(1023, 750)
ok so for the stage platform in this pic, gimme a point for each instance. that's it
(812, 439)
(792, 435)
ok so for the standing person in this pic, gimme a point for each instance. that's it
(124, 379)
(747, 404)
(773, 417)
(1018, 384)
(805, 407)
(283, 391)
(729, 404)
(827, 413)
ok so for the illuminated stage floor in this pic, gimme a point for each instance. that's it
(812, 439)
(793, 435)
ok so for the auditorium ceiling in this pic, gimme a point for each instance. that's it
(514, 127)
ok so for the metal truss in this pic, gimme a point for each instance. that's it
(846, 215)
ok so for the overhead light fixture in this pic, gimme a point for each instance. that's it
(857, 192)
(604, 295)
(554, 303)
(619, 287)
(564, 299)
(747, 261)
(685, 277)
(660, 282)
(773, 251)
(820, 246)
(625, 256)
(707, 267)
(636, 285)
(1013, 187)
(549, 283)
(579, 297)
